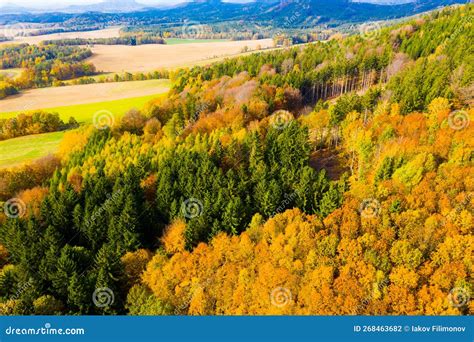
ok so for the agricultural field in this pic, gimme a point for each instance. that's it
(81, 94)
(24, 149)
(118, 58)
(177, 41)
(105, 33)
(84, 113)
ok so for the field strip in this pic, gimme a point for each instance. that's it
(177, 41)
(84, 113)
(81, 94)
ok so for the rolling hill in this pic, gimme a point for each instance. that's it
(291, 13)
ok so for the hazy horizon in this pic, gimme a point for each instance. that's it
(65, 3)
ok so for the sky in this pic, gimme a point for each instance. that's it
(64, 3)
(47, 3)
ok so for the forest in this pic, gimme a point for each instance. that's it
(334, 178)
(36, 122)
(232, 30)
(123, 40)
(43, 65)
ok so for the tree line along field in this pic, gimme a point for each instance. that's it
(179, 41)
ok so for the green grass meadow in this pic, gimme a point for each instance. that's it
(19, 150)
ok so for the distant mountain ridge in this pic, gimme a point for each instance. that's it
(287, 13)
(108, 6)
(12, 8)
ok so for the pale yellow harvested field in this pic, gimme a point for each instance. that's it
(80, 94)
(119, 58)
(105, 33)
